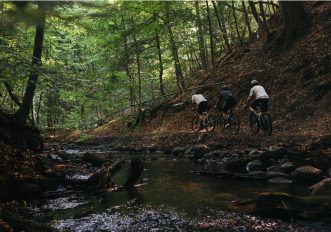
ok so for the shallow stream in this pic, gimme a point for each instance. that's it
(169, 197)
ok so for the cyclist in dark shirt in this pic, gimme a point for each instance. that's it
(226, 101)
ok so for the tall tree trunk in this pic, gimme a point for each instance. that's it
(2, 10)
(139, 78)
(50, 105)
(11, 94)
(247, 21)
(264, 22)
(22, 114)
(236, 23)
(127, 70)
(38, 108)
(159, 53)
(202, 46)
(211, 35)
(138, 66)
(255, 13)
(292, 14)
(178, 68)
(219, 16)
(137, 51)
(273, 7)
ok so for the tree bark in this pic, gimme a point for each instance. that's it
(22, 114)
(236, 23)
(211, 35)
(254, 12)
(127, 69)
(264, 22)
(178, 68)
(221, 25)
(159, 53)
(247, 21)
(11, 94)
(292, 14)
(202, 46)
(137, 51)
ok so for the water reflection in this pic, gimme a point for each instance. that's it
(169, 198)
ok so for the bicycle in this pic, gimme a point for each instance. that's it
(260, 120)
(208, 122)
(231, 123)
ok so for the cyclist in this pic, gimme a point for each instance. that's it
(226, 101)
(199, 100)
(259, 96)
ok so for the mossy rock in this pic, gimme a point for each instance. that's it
(286, 206)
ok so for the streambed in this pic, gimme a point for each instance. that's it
(169, 197)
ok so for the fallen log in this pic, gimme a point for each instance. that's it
(103, 178)
(99, 179)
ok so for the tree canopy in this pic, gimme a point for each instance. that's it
(102, 56)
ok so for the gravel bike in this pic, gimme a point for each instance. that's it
(260, 120)
(208, 122)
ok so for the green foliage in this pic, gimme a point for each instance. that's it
(91, 53)
(83, 138)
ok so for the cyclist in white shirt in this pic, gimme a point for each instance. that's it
(259, 96)
(199, 100)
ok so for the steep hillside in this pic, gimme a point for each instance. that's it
(298, 79)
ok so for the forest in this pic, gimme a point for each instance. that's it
(98, 131)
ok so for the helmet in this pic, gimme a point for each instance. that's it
(254, 82)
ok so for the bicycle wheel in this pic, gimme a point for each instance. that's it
(254, 123)
(195, 124)
(266, 124)
(211, 123)
(234, 123)
(221, 123)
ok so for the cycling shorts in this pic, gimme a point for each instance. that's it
(262, 103)
(202, 107)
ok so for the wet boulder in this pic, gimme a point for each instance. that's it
(197, 151)
(274, 174)
(255, 165)
(274, 148)
(328, 172)
(273, 205)
(280, 180)
(307, 174)
(322, 143)
(320, 161)
(287, 167)
(253, 153)
(257, 175)
(178, 151)
(273, 169)
(218, 153)
(270, 158)
(95, 159)
(321, 188)
(202, 160)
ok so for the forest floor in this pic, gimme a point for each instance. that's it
(297, 79)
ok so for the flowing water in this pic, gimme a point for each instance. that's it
(169, 197)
